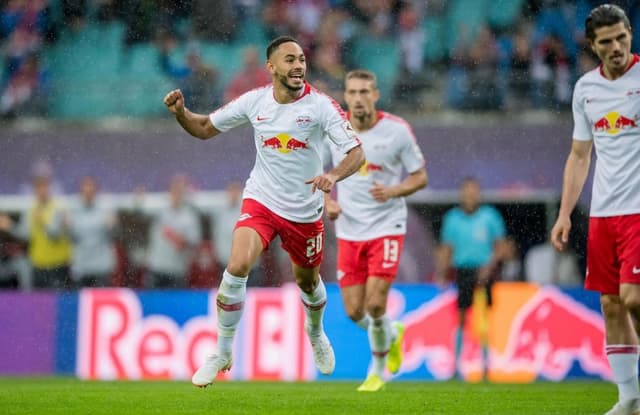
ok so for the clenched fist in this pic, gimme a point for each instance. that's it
(174, 100)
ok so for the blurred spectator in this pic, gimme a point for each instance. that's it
(74, 12)
(278, 19)
(49, 247)
(140, 18)
(223, 221)
(253, 75)
(510, 264)
(412, 37)
(25, 93)
(586, 62)
(551, 73)
(545, 265)
(91, 227)
(327, 73)
(518, 68)
(19, 46)
(473, 78)
(377, 16)
(197, 80)
(174, 234)
(213, 21)
(132, 240)
(11, 251)
(412, 40)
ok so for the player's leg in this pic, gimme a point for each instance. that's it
(314, 298)
(380, 332)
(352, 276)
(251, 236)
(605, 275)
(385, 337)
(622, 352)
(466, 280)
(304, 242)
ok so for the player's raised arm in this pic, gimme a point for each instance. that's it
(198, 125)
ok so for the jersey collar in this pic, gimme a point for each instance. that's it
(635, 59)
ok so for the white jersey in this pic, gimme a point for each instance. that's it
(288, 139)
(389, 147)
(608, 112)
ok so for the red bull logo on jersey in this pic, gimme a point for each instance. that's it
(284, 143)
(368, 167)
(614, 122)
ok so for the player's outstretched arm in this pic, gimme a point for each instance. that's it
(349, 165)
(198, 125)
(576, 171)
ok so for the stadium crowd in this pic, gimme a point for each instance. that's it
(87, 242)
(512, 54)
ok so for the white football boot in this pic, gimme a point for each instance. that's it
(209, 370)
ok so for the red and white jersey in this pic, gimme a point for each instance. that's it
(389, 146)
(288, 139)
(608, 112)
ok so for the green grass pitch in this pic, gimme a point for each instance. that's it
(71, 396)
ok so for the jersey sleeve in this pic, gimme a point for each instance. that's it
(232, 114)
(581, 125)
(336, 126)
(410, 153)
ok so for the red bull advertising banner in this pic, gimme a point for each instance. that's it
(530, 333)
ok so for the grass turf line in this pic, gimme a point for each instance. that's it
(71, 396)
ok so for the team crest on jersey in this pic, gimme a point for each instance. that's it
(633, 92)
(303, 121)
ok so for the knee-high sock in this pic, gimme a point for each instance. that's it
(314, 305)
(230, 302)
(623, 359)
(379, 341)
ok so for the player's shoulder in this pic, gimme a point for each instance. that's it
(264, 90)
(591, 77)
(395, 122)
(323, 98)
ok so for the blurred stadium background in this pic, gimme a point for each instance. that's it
(486, 84)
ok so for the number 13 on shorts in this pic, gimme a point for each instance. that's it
(391, 250)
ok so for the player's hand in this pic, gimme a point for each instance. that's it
(380, 193)
(323, 182)
(174, 101)
(560, 233)
(332, 209)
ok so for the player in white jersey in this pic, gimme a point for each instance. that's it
(606, 112)
(371, 218)
(291, 121)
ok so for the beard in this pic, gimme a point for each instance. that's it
(284, 82)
